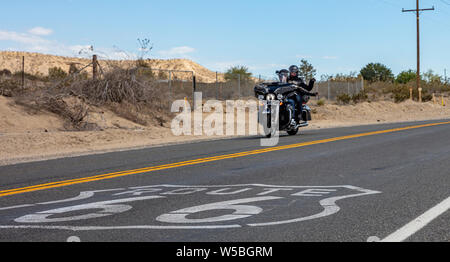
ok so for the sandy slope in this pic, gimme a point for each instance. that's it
(25, 136)
(36, 63)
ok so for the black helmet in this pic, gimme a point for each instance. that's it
(293, 69)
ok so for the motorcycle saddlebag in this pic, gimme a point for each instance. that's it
(306, 115)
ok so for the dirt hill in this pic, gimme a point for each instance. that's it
(36, 63)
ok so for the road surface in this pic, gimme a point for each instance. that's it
(386, 182)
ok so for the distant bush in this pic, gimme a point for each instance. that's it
(56, 73)
(405, 77)
(5, 72)
(321, 102)
(374, 72)
(360, 97)
(28, 76)
(343, 98)
(234, 72)
(142, 63)
(401, 93)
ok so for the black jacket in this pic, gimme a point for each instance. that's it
(301, 83)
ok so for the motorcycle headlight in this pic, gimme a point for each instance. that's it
(271, 97)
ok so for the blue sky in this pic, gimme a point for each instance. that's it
(336, 36)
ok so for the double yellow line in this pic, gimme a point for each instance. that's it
(57, 184)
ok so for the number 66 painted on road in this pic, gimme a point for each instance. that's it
(108, 208)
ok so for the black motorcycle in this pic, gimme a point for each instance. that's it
(275, 106)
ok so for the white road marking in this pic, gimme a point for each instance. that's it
(417, 224)
(241, 211)
(73, 239)
(95, 228)
(15, 207)
(81, 196)
(107, 208)
(373, 239)
(329, 205)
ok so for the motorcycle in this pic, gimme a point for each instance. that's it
(276, 112)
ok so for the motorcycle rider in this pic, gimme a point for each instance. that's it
(304, 89)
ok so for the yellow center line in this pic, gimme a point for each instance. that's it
(63, 183)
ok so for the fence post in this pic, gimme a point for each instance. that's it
(170, 87)
(362, 83)
(239, 85)
(329, 90)
(23, 72)
(217, 86)
(94, 67)
(194, 87)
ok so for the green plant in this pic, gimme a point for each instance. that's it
(56, 73)
(360, 97)
(343, 98)
(321, 102)
(377, 72)
(234, 72)
(405, 77)
(306, 70)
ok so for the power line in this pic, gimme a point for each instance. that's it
(417, 11)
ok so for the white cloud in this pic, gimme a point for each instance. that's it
(21, 38)
(224, 66)
(181, 51)
(40, 31)
(330, 57)
(34, 43)
(304, 56)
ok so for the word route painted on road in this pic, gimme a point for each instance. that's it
(183, 207)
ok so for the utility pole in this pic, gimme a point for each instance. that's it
(418, 10)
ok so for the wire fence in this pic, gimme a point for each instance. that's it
(179, 84)
(331, 89)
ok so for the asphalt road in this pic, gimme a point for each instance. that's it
(353, 188)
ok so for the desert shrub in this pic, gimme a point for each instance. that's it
(400, 93)
(234, 72)
(116, 87)
(28, 76)
(74, 114)
(10, 87)
(360, 97)
(145, 72)
(142, 63)
(5, 72)
(374, 72)
(405, 77)
(343, 99)
(321, 102)
(129, 112)
(56, 73)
